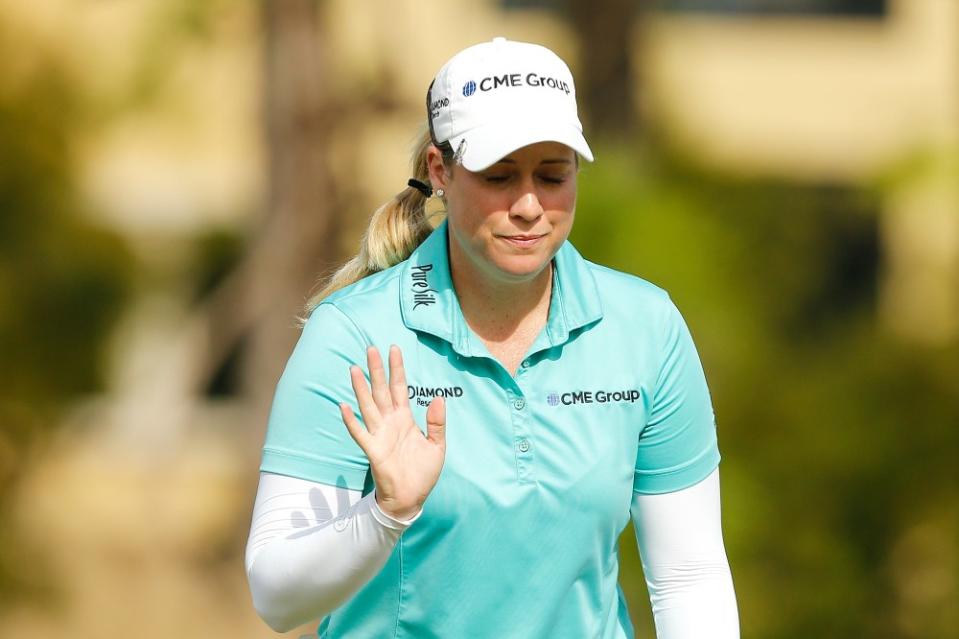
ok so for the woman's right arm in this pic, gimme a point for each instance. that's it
(312, 546)
(300, 564)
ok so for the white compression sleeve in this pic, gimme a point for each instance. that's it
(303, 558)
(680, 541)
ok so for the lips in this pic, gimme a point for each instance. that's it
(522, 240)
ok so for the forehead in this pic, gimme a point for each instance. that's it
(539, 153)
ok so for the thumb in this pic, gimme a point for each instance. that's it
(436, 421)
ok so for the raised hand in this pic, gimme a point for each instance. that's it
(405, 464)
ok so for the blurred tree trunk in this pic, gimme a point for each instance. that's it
(605, 30)
(299, 233)
(256, 306)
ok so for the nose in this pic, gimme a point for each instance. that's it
(527, 206)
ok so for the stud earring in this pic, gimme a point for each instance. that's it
(440, 192)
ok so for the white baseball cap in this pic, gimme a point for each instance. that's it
(495, 97)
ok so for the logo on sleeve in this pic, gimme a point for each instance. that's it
(423, 294)
(571, 398)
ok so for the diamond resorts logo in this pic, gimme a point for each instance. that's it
(425, 394)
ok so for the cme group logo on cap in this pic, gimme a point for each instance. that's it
(469, 89)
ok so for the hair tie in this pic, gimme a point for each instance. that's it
(422, 187)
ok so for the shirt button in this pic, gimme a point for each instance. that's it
(525, 363)
(519, 403)
(523, 446)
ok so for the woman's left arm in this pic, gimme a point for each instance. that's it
(680, 541)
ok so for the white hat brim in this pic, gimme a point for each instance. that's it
(487, 144)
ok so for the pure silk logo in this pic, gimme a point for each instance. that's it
(425, 394)
(423, 295)
(571, 398)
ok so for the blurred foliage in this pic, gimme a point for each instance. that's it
(63, 282)
(214, 254)
(839, 443)
(779, 7)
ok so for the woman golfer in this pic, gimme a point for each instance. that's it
(474, 412)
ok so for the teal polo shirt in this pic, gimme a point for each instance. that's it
(519, 537)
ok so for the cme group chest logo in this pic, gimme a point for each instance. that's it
(469, 89)
(600, 396)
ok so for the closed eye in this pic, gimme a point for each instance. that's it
(549, 179)
(554, 178)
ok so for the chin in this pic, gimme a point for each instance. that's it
(520, 267)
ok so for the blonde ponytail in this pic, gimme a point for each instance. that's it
(395, 230)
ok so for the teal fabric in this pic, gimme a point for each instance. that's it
(519, 537)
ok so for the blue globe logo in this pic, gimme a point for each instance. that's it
(552, 399)
(469, 89)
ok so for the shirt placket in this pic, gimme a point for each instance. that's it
(519, 410)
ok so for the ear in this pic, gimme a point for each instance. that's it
(434, 163)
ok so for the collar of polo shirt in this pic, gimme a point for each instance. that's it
(428, 301)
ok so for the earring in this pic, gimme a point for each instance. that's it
(440, 192)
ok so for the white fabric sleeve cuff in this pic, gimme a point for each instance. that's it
(387, 520)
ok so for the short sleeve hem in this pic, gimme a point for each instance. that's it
(672, 479)
(312, 469)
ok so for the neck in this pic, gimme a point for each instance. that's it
(496, 310)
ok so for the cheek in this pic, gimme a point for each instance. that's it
(560, 206)
(468, 219)
(468, 224)
(473, 211)
(562, 199)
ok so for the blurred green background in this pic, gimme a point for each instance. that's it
(175, 177)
